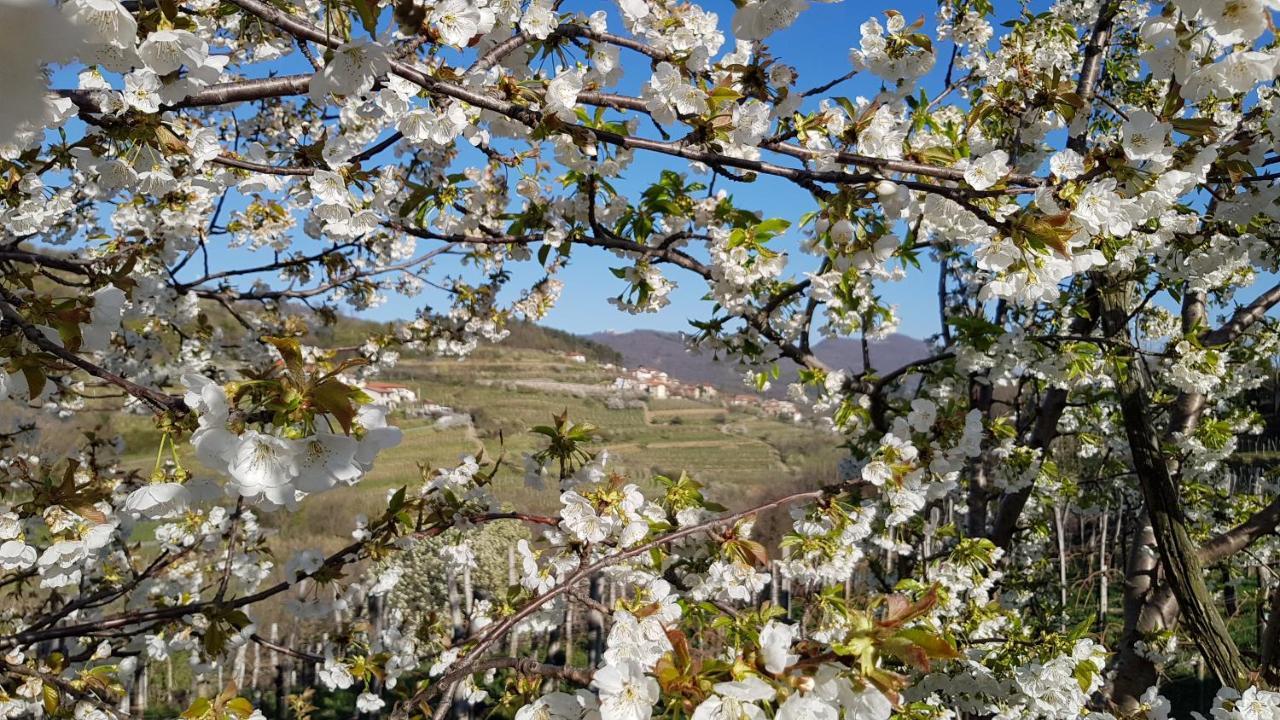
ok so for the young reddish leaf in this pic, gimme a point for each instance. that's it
(335, 398)
(291, 351)
(898, 610)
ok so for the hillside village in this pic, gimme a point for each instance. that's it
(627, 383)
(660, 385)
(668, 352)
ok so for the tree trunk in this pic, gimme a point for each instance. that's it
(595, 622)
(513, 640)
(1271, 641)
(281, 710)
(1178, 555)
(455, 607)
(568, 631)
(1050, 411)
(1131, 673)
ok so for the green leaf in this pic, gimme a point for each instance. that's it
(1083, 673)
(414, 201)
(1193, 127)
(934, 645)
(397, 500)
(52, 698)
(921, 41)
(722, 95)
(35, 380)
(198, 709)
(1038, 230)
(747, 552)
(240, 707)
(1081, 630)
(772, 226)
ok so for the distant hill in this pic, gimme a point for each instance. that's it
(666, 351)
(887, 354)
(523, 335)
(529, 336)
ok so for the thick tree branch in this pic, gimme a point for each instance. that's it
(1242, 319)
(160, 401)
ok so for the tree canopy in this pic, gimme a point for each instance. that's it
(1089, 189)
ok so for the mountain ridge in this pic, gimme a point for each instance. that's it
(665, 350)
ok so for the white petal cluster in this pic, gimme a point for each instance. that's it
(883, 51)
(273, 469)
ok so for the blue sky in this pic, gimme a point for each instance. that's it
(817, 45)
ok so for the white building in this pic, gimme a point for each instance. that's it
(393, 395)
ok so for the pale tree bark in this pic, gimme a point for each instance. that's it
(1060, 527)
(1132, 673)
(1103, 569)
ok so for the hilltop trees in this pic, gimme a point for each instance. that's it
(1090, 189)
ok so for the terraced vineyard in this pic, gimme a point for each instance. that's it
(505, 391)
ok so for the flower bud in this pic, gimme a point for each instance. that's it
(886, 188)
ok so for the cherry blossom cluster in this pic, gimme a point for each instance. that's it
(192, 193)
